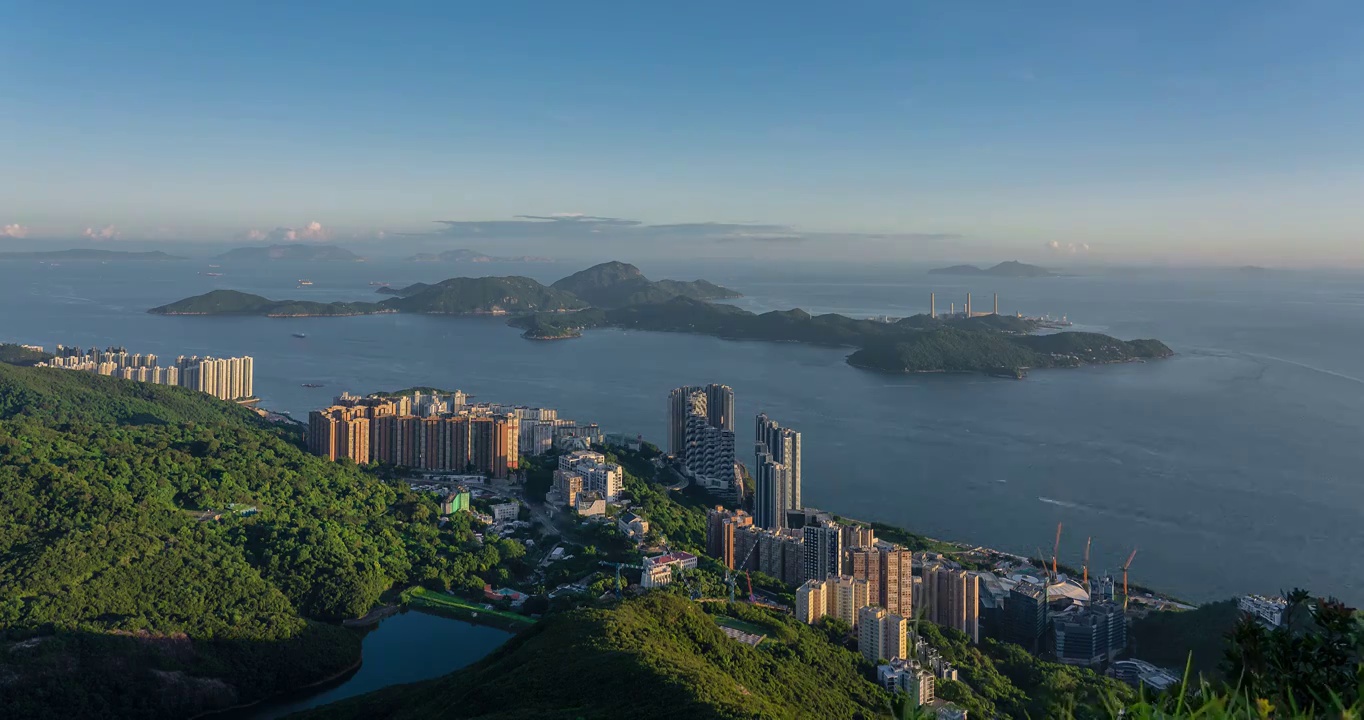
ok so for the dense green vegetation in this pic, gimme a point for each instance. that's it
(617, 284)
(1004, 678)
(951, 350)
(1197, 638)
(120, 531)
(1008, 268)
(989, 344)
(680, 519)
(658, 656)
(948, 350)
(233, 302)
(305, 252)
(466, 296)
(15, 354)
(87, 254)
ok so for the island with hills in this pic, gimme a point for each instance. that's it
(91, 255)
(1009, 268)
(618, 295)
(233, 302)
(294, 252)
(464, 255)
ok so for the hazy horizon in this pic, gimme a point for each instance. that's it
(1220, 134)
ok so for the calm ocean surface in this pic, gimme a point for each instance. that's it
(1234, 467)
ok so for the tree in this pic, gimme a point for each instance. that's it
(1312, 660)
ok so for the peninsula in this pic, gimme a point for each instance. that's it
(89, 254)
(1011, 268)
(618, 295)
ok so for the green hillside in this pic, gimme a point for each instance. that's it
(617, 284)
(14, 354)
(134, 582)
(658, 656)
(947, 350)
(466, 296)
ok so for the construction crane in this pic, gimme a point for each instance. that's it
(1126, 565)
(1056, 548)
(618, 566)
(729, 576)
(1088, 540)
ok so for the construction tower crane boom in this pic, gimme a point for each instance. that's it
(1056, 548)
(1125, 566)
(618, 566)
(1086, 565)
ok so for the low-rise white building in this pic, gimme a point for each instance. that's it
(906, 676)
(599, 476)
(505, 512)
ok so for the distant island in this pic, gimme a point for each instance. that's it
(87, 254)
(232, 302)
(479, 296)
(617, 284)
(618, 295)
(300, 252)
(1010, 268)
(472, 256)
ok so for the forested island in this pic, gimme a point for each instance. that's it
(90, 255)
(618, 295)
(232, 302)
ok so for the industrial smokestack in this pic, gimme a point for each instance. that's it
(968, 304)
(933, 305)
(996, 303)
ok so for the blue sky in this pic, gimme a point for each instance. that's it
(1164, 131)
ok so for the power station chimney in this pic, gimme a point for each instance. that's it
(932, 305)
(996, 303)
(954, 309)
(968, 304)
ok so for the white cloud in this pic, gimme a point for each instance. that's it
(1070, 248)
(13, 230)
(108, 232)
(311, 231)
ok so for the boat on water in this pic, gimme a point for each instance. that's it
(213, 266)
(301, 283)
(300, 335)
(214, 274)
(381, 284)
(313, 385)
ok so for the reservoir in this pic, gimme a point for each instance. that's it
(405, 648)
